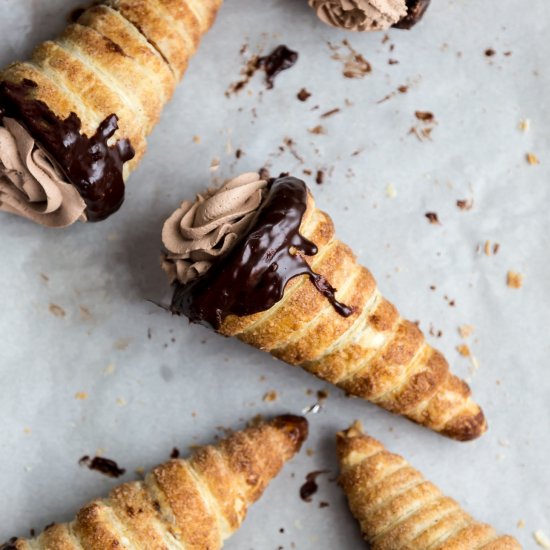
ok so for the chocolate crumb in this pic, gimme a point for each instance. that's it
(102, 465)
(323, 504)
(310, 487)
(239, 153)
(303, 95)
(489, 52)
(392, 62)
(320, 177)
(403, 89)
(433, 218)
(424, 116)
(175, 453)
(318, 130)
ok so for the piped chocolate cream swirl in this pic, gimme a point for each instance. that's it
(92, 165)
(252, 275)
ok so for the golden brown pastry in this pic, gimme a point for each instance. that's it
(259, 261)
(398, 509)
(193, 504)
(82, 107)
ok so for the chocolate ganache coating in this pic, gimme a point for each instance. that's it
(415, 12)
(90, 164)
(253, 275)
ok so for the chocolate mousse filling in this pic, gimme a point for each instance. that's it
(93, 167)
(253, 275)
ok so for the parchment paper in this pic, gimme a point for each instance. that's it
(88, 365)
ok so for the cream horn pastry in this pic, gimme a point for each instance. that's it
(192, 504)
(257, 260)
(370, 15)
(399, 509)
(74, 118)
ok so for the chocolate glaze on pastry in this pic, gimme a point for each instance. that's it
(415, 12)
(253, 275)
(90, 164)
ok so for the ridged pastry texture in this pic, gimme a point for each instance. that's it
(193, 504)
(398, 509)
(120, 57)
(373, 354)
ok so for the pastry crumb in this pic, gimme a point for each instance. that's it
(541, 538)
(464, 350)
(532, 159)
(197, 139)
(270, 396)
(214, 165)
(121, 401)
(122, 343)
(424, 116)
(524, 125)
(85, 313)
(391, 191)
(56, 310)
(466, 331)
(514, 279)
(521, 524)
(109, 369)
(318, 130)
(81, 396)
(310, 452)
(27, 430)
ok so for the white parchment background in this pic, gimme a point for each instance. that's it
(147, 395)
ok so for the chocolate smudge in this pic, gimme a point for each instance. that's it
(310, 487)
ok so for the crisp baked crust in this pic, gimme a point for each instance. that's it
(193, 504)
(373, 354)
(398, 509)
(121, 57)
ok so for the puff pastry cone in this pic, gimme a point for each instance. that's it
(193, 504)
(398, 508)
(257, 260)
(74, 118)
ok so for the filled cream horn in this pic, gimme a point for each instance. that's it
(74, 119)
(257, 260)
(370, 15)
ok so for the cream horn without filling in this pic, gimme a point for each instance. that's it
(398, 509)
(193, 504)
(257, 260)
(74, 118)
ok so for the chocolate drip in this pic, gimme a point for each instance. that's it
(279, 60)
(89, 163)
(252, 277)
(415, 12)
